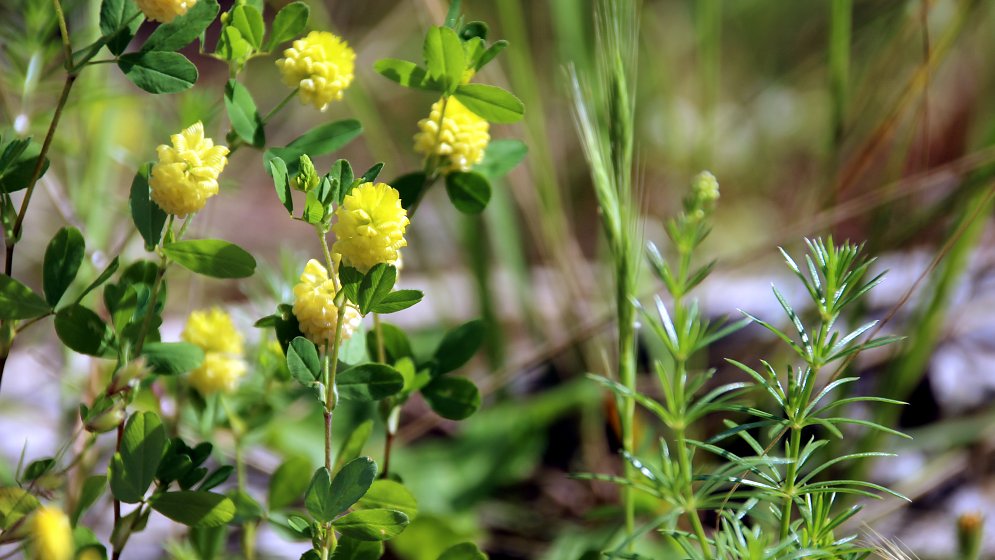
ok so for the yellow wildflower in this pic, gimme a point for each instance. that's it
(213, 331)
(370, 226)
(219, 373)
(164, 11)
(51, 534)
(187, 172)
(321, 65)
(315, 309)
(460, 141)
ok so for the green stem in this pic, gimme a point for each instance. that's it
(793, 452)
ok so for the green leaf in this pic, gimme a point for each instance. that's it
(82, 330)
(159, 72)
(444, 57)
(473, 29)
(277, 169)
(491, 52)
(104, 276)
(395, 342)
(351, 279)
(463, 551)
(231, 46)
(15, 504)
(217, 477)
(397, 301)
(148, 217)
(410, 187)
(303, 361)
(320, 140)
(18, 301)
(37, 469)
(491, 103)
(352, 447)
(194, 509)
(368, 382)
(406, 73)
(288, 483)
(93, 487)
(172, 358)
(469, 192)
(458, 346)
(375, 286)
(180, 32)
(242, 113)
(501, 157)
(212, 257)
(353, 549)
(390, 494)
(327, 499)
(454, 398)
(134, 467)
(118, 23)
(372, 524)
(22, 158)
(289, 23)
(249, 23)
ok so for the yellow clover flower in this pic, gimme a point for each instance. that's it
(187, 172)
(51, 534)
(164, 11)
(315, 309)
(370, 226)
(459, 142)
(214, 332)
(219, 373)
(321, 65)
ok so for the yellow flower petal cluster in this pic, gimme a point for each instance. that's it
(370, 225)
(321, 65)
(459, 142)
(51, 534)
(186, 174)
(164, 11)
(315, 309)
(214, 332)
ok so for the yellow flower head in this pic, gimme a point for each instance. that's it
(315, 309)
(321, 65)
(213, 331)
(164, 11)
(219, 373)
(370, 226)
(187, 172)
(52, 535)
(459, 142)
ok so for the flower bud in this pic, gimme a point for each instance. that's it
(307, 178)
(106, 414)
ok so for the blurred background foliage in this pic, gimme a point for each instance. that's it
(872, 120)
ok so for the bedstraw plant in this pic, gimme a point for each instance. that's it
(157, 393)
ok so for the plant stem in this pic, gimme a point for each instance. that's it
(793, 451)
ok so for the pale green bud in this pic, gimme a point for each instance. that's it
(307, 178)
(705, 187)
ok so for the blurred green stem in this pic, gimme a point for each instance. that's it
(840, 22)
(708, 26)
